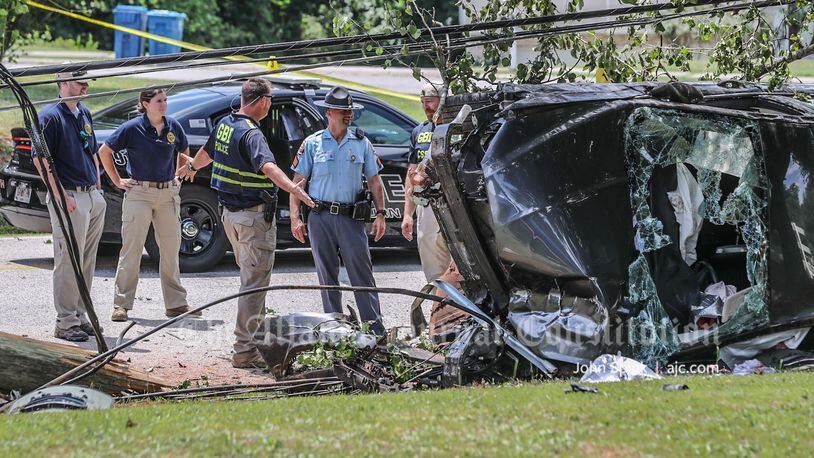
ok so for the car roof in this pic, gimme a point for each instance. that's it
(536, 95)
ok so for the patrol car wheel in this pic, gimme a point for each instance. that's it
(203, 242)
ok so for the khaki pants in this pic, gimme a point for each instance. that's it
(253, 242)
(143, 205)
(432, 248)
(87, 221)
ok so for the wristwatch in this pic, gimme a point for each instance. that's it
(190, 167)
(382, 212)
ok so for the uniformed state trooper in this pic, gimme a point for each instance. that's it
(243, 165)
(155, 145)
(67, 128)
(432, 248)
(335, 160)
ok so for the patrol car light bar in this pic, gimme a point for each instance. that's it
(368, 38)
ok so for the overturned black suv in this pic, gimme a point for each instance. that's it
(293, 116)
(662, 221)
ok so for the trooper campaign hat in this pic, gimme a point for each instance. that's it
(339, 98)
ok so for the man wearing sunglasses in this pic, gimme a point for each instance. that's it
(244, 174)
(67, 129)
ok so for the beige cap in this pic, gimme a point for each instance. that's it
(429, 90)
(66, 75)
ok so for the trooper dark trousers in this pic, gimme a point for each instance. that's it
(334, 234)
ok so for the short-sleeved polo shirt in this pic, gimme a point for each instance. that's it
(72, 143)
(335, 168)
(150, 156)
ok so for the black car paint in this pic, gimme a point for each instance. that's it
(537, 197)
(199, 110)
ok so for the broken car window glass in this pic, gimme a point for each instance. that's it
(716, 147)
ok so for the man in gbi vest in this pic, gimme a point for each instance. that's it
(243, 166)
(432, 248)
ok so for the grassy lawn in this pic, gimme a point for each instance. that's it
(733, 416)
(411, 108)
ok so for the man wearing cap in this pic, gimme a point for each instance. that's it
(67, 129)
(432, 248)
(244, 174)
(335, 161)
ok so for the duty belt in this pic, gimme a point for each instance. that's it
(156, 184)
(254, 208)
(87, 188)
(334, 208)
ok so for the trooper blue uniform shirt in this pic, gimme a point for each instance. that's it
(150, 157)
(335, 168)
(72, 143)
(420, 140)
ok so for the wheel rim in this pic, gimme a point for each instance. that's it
(198, 227)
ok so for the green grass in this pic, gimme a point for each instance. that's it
(800, 68)
(411, 108)
(733, 416)
(9, 119)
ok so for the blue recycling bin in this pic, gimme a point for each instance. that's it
(126, 44)
(168, 24)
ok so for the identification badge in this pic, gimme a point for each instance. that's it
(170, 137)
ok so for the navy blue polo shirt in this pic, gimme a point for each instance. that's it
(150, 157)
(71, 142)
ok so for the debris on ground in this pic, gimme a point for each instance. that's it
(675, 387)
(615, 368)
(65, 397)
(752, 367)
(581, 389)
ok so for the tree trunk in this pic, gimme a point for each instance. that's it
(26, 364)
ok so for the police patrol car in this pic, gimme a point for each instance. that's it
(293, 117)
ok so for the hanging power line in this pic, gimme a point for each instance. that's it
(367, 38)
(413, 49)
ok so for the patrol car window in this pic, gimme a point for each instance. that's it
(382, 127)
(117, 116)
(175, 104)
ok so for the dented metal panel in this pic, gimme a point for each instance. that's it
(568, 189)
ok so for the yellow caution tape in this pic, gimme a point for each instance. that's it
(149, 36)
(271, 64)
(601, 76)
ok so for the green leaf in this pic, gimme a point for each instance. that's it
(414, 31)
(417, 72)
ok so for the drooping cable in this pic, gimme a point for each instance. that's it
(58, 196)
(369, 38)
(422, 48)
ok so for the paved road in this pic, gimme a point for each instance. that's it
(192, 348)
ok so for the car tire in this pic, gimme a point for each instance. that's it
(203, 240)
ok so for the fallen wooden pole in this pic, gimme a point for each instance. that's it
(26, 364)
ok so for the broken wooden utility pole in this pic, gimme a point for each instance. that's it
(26, 364)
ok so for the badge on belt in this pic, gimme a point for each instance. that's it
(170, 137)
